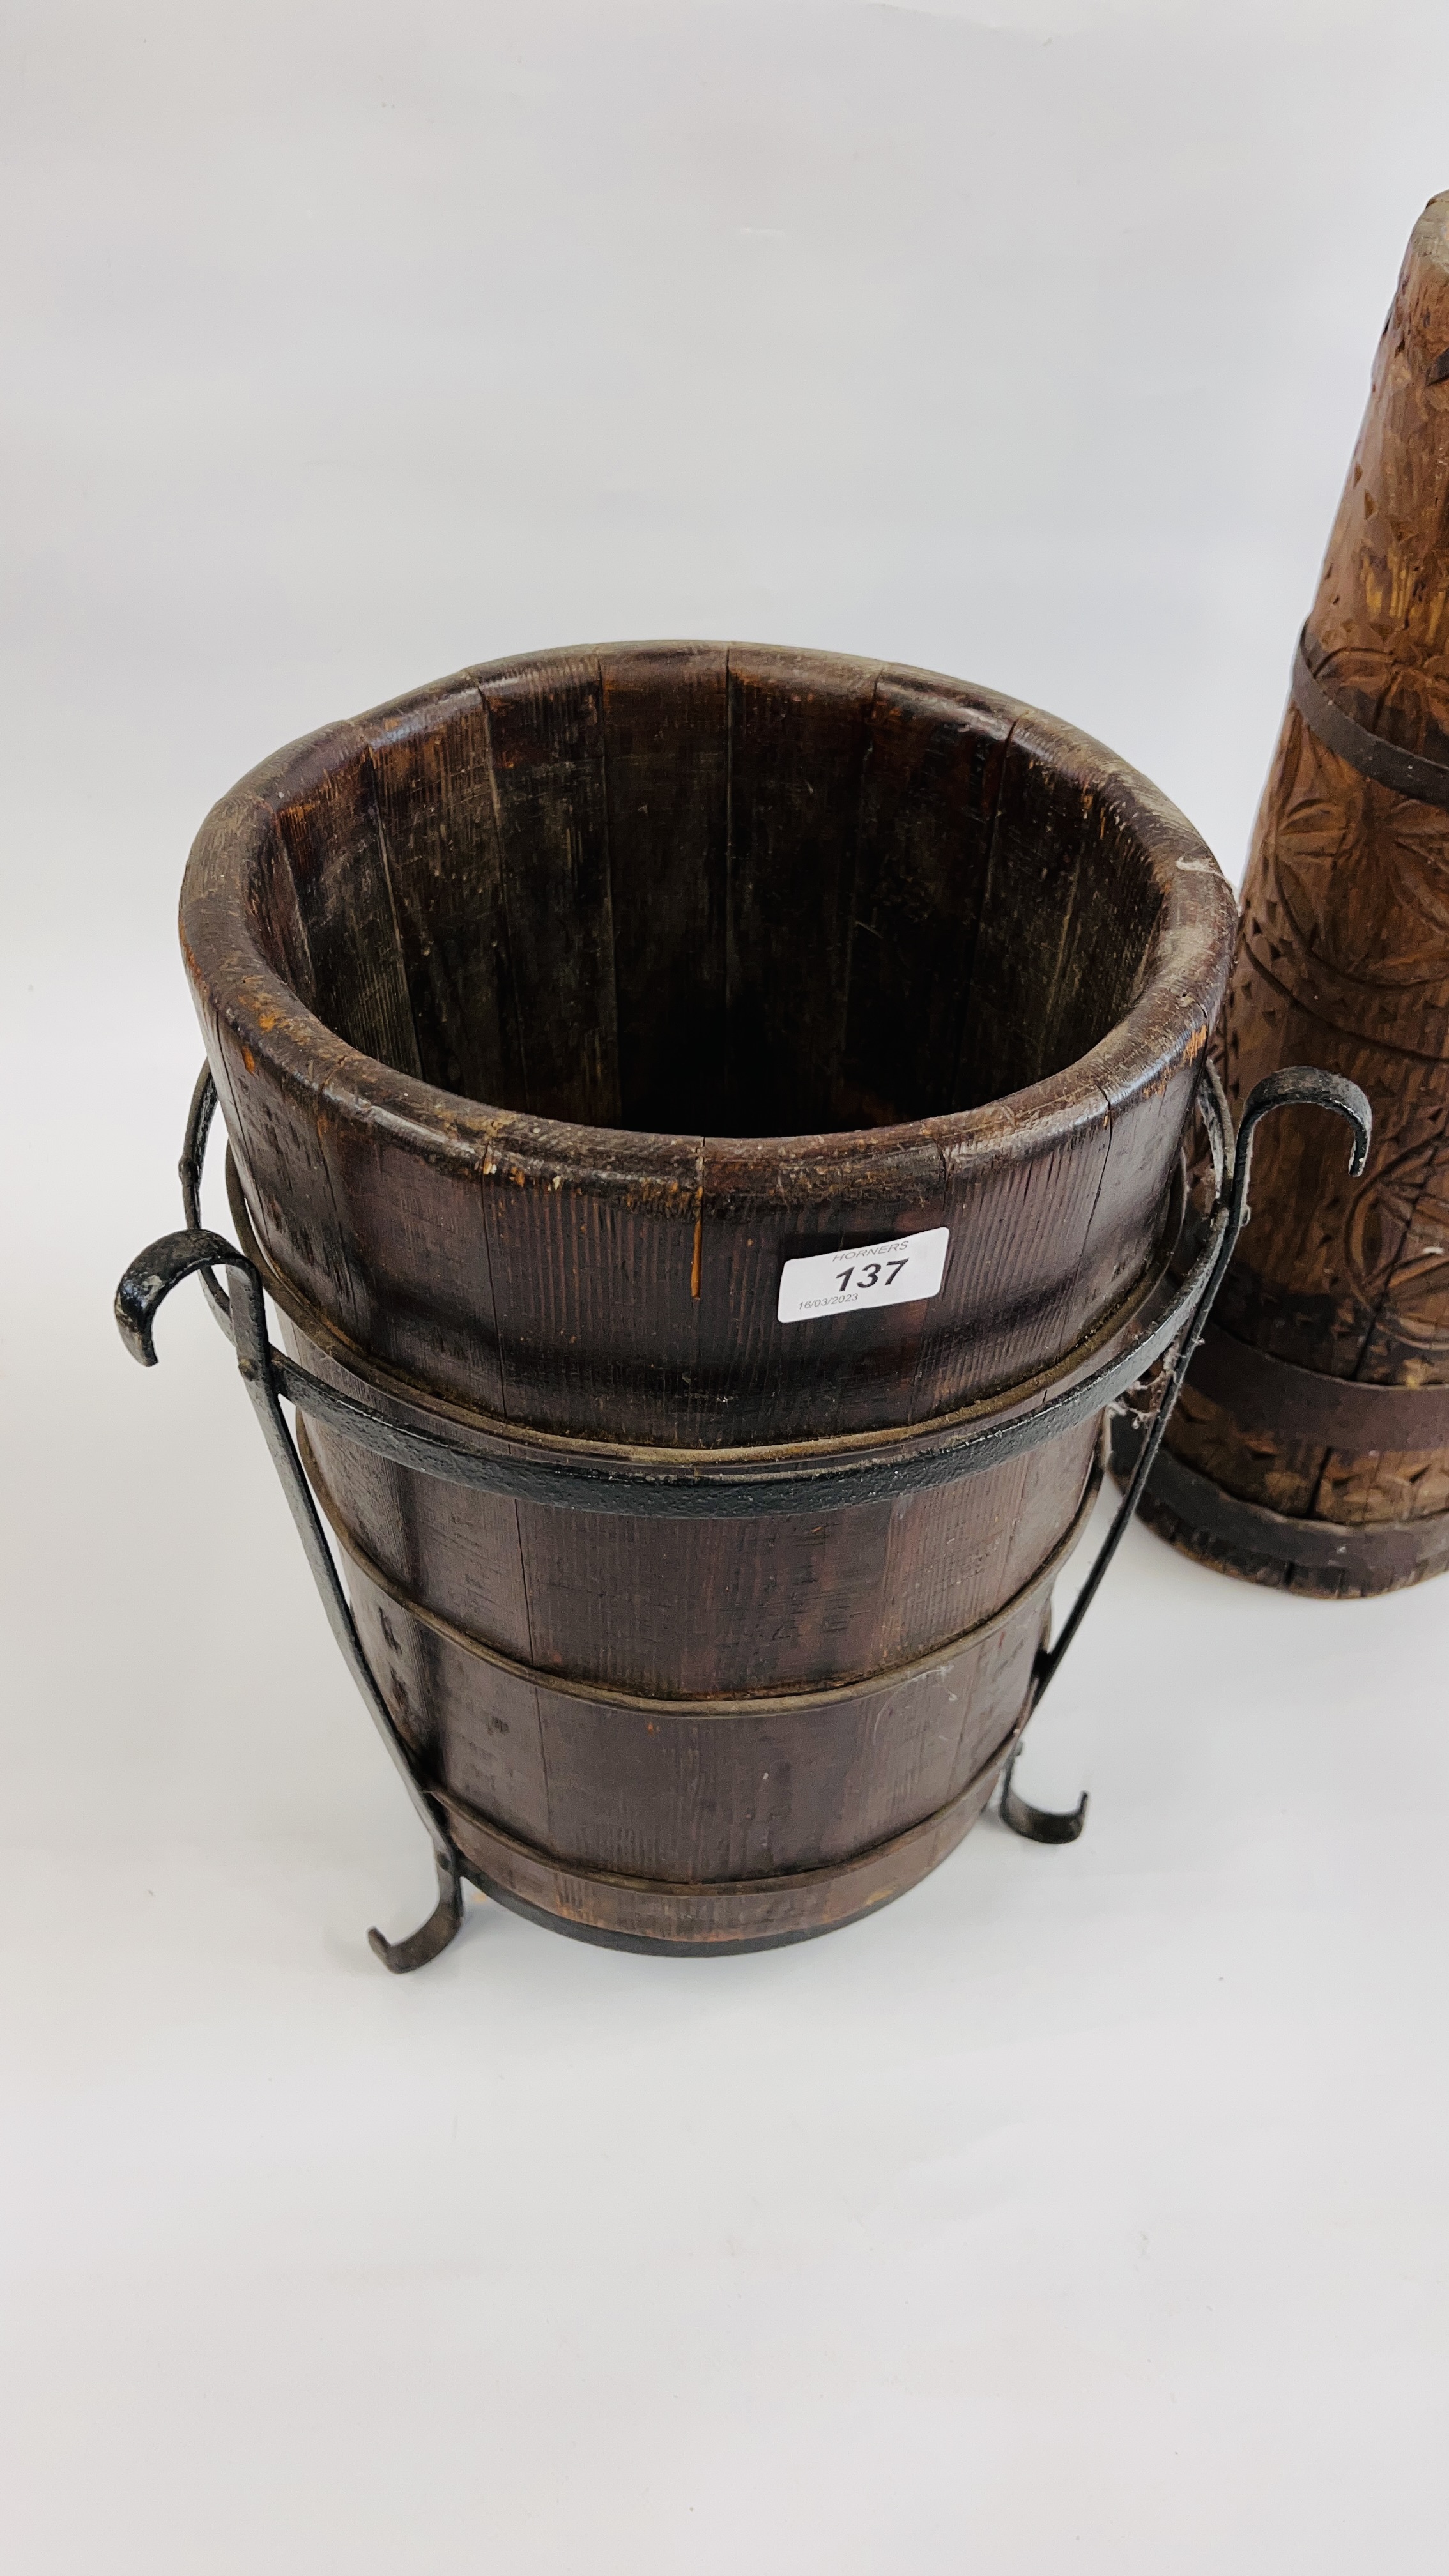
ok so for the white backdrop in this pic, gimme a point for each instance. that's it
(1087, 2208)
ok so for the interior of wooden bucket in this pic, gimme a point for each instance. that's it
(680, 891)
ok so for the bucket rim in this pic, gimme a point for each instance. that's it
(235, 982)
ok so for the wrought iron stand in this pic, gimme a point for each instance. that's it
(1172, 1330)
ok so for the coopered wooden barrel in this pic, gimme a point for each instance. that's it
(554, 1011)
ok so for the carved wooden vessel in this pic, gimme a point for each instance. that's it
(551, 1011)
(1310, 1447)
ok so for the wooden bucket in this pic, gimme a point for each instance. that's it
(553, 1011)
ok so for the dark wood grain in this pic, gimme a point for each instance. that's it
(328, 820)
(931, 786)
(799, 742)
(666, 737)
(433, 781)
(546, 753)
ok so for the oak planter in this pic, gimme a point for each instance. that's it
(552, 1011)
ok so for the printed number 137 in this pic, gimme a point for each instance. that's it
(870, 1271)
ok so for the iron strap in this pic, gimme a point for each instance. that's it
(722, 1471)
(1408, 773)
(761, 1703)
(1265, 1393)
(727, 1487)
(1400, 1551)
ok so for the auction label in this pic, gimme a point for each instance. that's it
(875, 1274)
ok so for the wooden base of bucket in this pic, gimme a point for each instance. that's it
(721, 1916)
(1329, 1560)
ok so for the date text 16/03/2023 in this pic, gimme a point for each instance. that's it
(872, 1274)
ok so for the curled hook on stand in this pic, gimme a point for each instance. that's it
(142, 1293)
(1292, 1087)
(1038, 1824)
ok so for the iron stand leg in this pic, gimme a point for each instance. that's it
(142, 1292)
(1293, 1087)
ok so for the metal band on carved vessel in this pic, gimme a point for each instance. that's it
(1209, 1518)
(1408, 773)
(1265, 1393)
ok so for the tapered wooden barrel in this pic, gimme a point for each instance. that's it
(1310, 1449)
(553, 1011)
